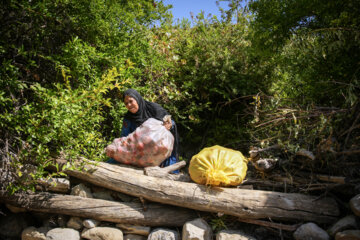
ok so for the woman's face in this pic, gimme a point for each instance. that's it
(131, 104)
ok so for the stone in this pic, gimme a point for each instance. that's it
(348, 222)
(33, 233)
(90, 223)
(133, 229)
(233, 235)
(197, 229)
(348, 235)
(82, 191)
(103, 195)
(122, 197)
(12, 225)
(163, 233)
(62, 234)
(355, 205)
(134, 237)
(51, 222)
(62, 220)
(75, 223)
(102, 233)
(310, 231)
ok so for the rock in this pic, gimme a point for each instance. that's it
(122, 197)
(62, 234)
(33, 233)
(348, 235)
(51, 222)
(103, 195)
(197, 229)
(134, 237)
(90, 223)
(62, 220)
(14, 209)
(82, 191)
(132, 229)
(355, 205)
(233, 235)
(12, 225)
(102, 233)
(348, 222)
(75, 223)
(162, 233)
(310, 231)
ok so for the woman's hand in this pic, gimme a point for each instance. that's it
(167, 122)
(168, 125)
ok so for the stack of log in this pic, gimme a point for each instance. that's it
(171, 200)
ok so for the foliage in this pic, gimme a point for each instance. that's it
(316, 47)
(218, 223)
(63, 64)
(209, 65)
(314, 85)
(277, 71)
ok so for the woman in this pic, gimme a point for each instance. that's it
(140, 110)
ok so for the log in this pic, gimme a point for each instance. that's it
(243, 203)
(57, 185)
(102, 210)
(166, 172)
(150, 171)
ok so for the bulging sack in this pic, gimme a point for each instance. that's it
(218, 166)
(149, 145)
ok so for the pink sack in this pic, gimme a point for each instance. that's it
(149, 145)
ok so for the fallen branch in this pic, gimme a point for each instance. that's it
(349, 152)
(334, 179)
(290, 228)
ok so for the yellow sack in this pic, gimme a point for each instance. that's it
(218, 166)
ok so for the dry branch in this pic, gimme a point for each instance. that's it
(284, 227)
(166, 172)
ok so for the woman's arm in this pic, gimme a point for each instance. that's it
(127, 128)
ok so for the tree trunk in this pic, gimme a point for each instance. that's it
(102, 210)
(243, 203)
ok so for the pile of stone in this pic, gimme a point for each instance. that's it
(77, 229)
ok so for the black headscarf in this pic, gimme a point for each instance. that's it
(146, 109)
(149, 110)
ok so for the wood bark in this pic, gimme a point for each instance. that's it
(253, 204)
(102, 210)
(57, 185)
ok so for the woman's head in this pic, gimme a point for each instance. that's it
(131, 104)
(132, 99)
